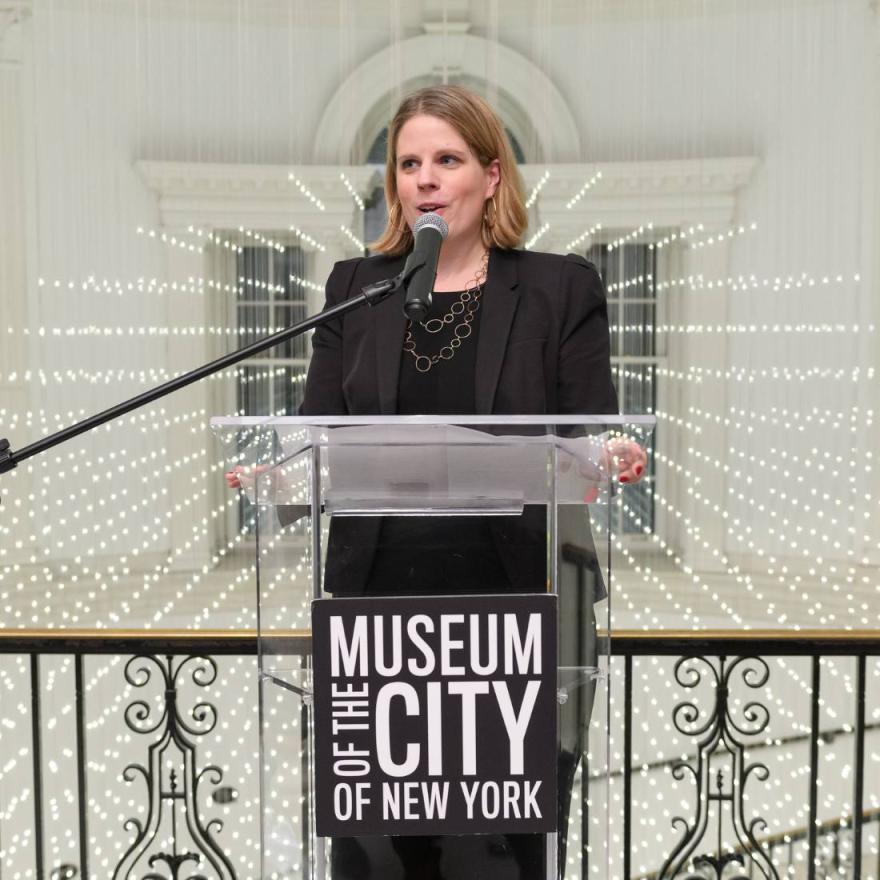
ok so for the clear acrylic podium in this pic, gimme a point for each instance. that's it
(537, 495)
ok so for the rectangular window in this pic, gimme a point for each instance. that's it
(269, 298)
(630, 275)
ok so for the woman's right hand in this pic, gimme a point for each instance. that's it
(233, 478)
(241, 477)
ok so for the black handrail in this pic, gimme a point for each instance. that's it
(634, 643)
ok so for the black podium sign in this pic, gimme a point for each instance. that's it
(435, 715)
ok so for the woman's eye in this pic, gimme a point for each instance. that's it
(407, 163)
(448, 160)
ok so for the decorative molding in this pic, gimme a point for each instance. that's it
(671, 193)
(262, 197)
(667, 193)
(210, 178)
(705, 176)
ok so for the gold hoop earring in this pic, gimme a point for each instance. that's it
(490, 218)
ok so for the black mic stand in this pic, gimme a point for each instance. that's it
(370, 295)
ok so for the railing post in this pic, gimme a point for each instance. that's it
(82, 789)
(859, 768)
(627, 765)
(37, 747)
(814, 767)
(585, 811)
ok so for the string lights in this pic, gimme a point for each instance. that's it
(539, 234)
(352, 238)
(536, 189)
(306, 191)
(635, 234)
(349, 186)
(584, 190)
(307, 239)
(584, 237)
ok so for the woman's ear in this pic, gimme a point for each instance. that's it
(493, 177)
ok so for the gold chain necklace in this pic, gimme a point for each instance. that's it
(463, 309)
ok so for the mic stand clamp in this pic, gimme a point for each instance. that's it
(379, 290)
(7, 462)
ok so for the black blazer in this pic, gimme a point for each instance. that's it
(543, 347)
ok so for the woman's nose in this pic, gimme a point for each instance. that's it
(427, 178)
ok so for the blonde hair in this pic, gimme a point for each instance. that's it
(504, 218)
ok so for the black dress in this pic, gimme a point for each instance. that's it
(438, 555)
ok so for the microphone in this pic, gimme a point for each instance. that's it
(420, 269)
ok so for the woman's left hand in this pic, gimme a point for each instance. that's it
(627, 459)
(596, 459)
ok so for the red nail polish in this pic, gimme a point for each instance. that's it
(638, 469)
(624, 479)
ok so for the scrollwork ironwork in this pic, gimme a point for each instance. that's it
(174, 794)
(719, 739)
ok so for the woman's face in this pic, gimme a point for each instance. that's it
(436, 171)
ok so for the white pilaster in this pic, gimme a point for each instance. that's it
(189, 442)
(12, 212)
(701, 443)
(14, 218)
(866, 493)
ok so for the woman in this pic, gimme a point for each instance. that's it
(532, 327)
(509, 332)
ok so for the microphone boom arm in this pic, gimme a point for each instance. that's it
(369, 295)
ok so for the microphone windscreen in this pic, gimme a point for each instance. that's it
(434, 220)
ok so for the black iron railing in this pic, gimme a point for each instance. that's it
(170, 774)
(173, 836)
(720, 656)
